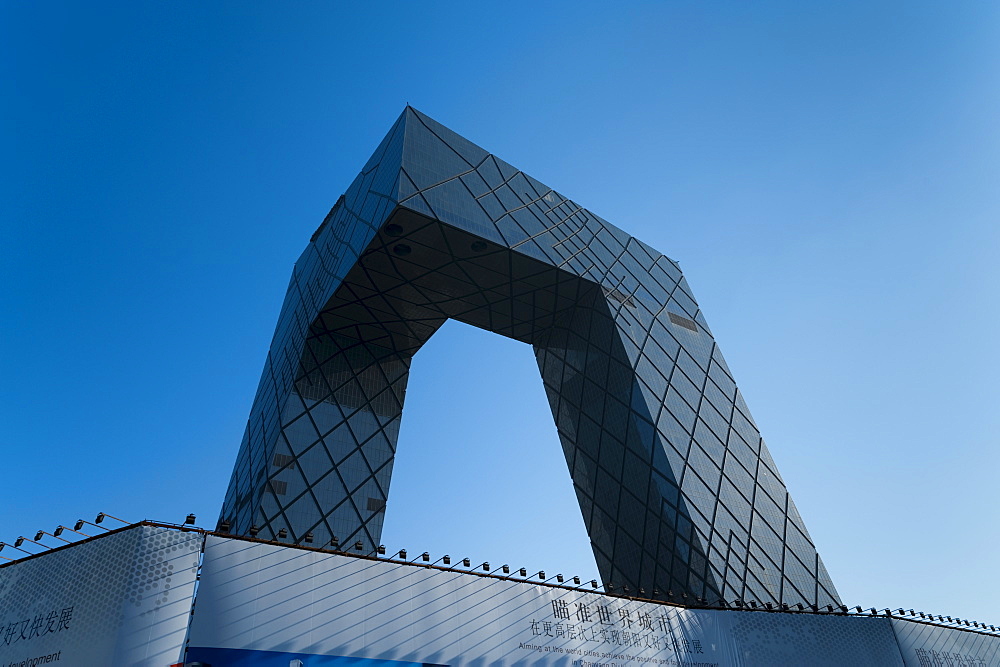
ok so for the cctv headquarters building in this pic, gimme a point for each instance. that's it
(705, 560)
(677, 489)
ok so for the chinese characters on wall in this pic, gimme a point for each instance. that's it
(601, 624)
(41, 624)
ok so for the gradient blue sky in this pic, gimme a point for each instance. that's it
(826, 174)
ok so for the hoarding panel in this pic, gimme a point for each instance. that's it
(122, 599)
(262, 604)
(923, 645)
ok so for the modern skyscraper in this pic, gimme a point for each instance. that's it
(677, 489)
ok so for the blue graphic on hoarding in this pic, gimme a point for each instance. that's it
(235, 657)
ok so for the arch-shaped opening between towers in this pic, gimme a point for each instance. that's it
(341, 421)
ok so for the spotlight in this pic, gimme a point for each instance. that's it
(402, 554)
(79, 525)
(100, 518)
(254, 530)
(381, 550)
(858, 609)
(523, 572)
(282, 534)
(426, 557)
(610, 586)
(576, 580)
(358, 546)
(334, 543)
(799, 606)
(486, 567)
(18, 542)
(593, 583)
(189, 521)
(309, 538)
(224, 527)
(447, 560)
(559, 578)
(506, 569)
(466, 562)
(38, 537)
(541, 574)
(58, 531)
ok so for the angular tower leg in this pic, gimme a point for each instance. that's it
(629, 498)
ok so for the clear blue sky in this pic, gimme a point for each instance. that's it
(827, 174)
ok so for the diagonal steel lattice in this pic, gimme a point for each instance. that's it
(677, 489)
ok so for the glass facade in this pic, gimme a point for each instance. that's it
(677, 489)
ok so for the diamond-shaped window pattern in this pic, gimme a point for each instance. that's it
(677, 489)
